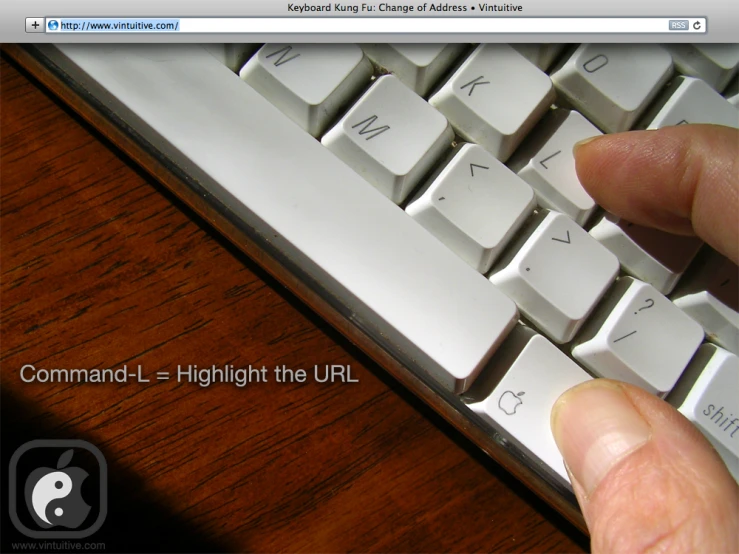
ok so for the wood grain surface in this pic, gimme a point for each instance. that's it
(101, 266)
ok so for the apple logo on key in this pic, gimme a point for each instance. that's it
(510, 401)
(54, 497)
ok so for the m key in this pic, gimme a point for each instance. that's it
(390, 137)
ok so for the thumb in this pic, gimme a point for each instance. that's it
(645, 478)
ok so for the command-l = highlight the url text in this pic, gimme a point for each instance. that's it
(191, 373)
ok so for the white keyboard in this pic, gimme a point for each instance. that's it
(428, 192)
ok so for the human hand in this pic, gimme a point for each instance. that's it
(645, 477)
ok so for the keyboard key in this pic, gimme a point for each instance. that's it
(557, 276)
(518, 389)
(693, 101)
(418, 66)
(541, 55)
(474, 206)
(707, 395)
(495, 98)
(545, 162)
(648, 254)
(391, 277)
(390, 137)
(714, 63)
(732, 93)
(612, 84)
(640, 337)
(710, 295)
(233, 56)
(308, 82)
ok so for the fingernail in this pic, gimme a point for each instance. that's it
(596, 426)
(583, 142)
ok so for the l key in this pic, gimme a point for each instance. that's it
(545, 161)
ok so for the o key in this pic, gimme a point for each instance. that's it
(612, 84)
(596, 63)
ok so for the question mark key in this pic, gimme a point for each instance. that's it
(639, 336)
(648, 303)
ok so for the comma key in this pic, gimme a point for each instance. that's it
(474, 206)
(707, 396)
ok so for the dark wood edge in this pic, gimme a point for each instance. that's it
(567, 506)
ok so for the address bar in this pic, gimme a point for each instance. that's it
(400, 25)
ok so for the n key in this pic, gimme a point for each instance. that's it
(308, 82)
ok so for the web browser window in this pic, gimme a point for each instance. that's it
(406, 170)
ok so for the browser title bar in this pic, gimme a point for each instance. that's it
(405, 20)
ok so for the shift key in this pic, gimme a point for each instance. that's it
(707, 396)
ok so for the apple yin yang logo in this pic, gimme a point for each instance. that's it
(510, 401)
(54, 498)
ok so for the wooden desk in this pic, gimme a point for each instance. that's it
(101, 266)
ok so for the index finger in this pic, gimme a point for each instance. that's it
(683, 180)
